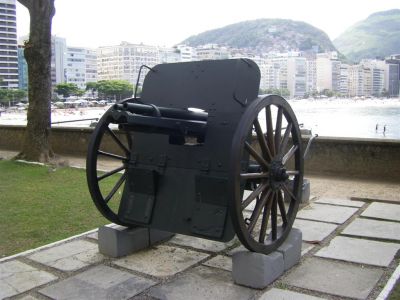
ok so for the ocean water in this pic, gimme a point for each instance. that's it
(338, 117)
(350, 118)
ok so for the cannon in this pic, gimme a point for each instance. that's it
(200, 154)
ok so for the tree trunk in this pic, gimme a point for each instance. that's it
(36, 146)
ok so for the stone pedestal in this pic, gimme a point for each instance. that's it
(258, 270)
(116, 241)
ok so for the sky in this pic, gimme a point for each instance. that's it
(94, 23)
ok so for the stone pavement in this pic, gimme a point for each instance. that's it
(350, 250)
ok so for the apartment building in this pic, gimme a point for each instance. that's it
(80, 66)
(328, 72)
(296, 76)
(58, 59)
(123, 62)
(22, 70)
(8, 45)
(344, 80)
(187, 53)
(211, 52)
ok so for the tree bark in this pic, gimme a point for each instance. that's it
(36, 144)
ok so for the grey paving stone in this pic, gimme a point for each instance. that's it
(336, 278)
(257, 270)
(305, 247)
(97, 283)
(236, 249)
(28, 297)
(384, 211)
(360, 251)
(314, 231)
(373, 229)
(221, 262)
(161, 261)
(70, 256)
(340, 201)
(326, 213)
(200, 243)
(278, 294)
(202, 283)
(94, 235)
(17, 277)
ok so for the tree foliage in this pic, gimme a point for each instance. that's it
(68, 89)
(111, 89)
(275, 91)
(7, 95)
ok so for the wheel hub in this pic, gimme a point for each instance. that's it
(277, 174)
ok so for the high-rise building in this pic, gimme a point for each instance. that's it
(328, 72)
(80, 66)
(296, 79)
(344, 80)
(22, 70)
(58, 58)
(8, 45)
(123, 62)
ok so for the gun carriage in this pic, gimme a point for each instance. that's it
(200, 154)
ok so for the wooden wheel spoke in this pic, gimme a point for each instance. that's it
(285, 138)
(278, 129)
(257, 211)
(108, 174)
(274, 218)
(115, 188)
(254, 175)
(262, 141)
(264, 222)
(112, 155)
(289, 192)
(270, 129)
(282, 208)
(253, 195)
(118, 141)
(256, 156)
(289, 154)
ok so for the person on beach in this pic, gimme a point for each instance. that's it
(384, 129)
(376, 127)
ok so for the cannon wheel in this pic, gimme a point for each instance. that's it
(261, 218)
(106, 180)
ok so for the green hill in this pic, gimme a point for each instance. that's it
(265, 35)
(376, 36)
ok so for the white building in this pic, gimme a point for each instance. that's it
(91, 65)
(344, 80)
(58, 59)
(81, 66)
(122, 62)
(211, 52)
(377, 76)
(328, 72)
(8, 45)
(187, 53)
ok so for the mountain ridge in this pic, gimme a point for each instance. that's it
(266, 35)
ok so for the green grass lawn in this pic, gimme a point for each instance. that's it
(40, 205)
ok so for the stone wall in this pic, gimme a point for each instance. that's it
(363, 158)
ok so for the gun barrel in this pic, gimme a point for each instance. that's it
(174, 113)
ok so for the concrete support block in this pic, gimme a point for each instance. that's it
(256, 270)
(291, 248)
(117, 241)
(157, 236)
(306, 188)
